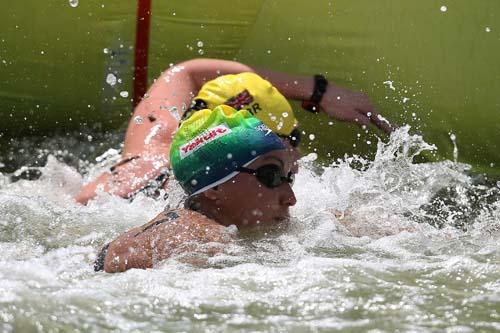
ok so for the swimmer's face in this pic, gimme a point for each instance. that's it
(246, 201)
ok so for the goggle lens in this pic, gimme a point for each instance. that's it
(270, 175)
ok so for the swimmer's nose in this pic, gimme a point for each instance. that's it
(287, 196)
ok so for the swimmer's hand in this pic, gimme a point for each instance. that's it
(346, 105)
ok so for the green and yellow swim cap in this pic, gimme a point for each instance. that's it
(210, 145)
(248, 91)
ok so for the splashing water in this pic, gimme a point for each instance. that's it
(384, 245)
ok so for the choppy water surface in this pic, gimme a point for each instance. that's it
(394, 247)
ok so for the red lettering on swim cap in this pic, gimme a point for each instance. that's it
(204, 138)
(209, 135)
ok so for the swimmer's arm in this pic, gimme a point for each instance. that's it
(160, 239)
(156, 118)
(128, 176)
(337, 102)
(168, 98)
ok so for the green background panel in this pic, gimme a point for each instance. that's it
(443, 65)
(53, 67)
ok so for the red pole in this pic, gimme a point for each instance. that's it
(141, 49)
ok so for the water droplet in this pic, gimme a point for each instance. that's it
(105, 50)
(444, 8)
(194, 182)
(390, 84)
(229, 156)
(453, 139)
(199, 44)
(201, 52)
(253, 152)
(268, 51)
(73, 3)
(124, 94)
(138, 120)
(285, 114)
(498, 184)
(487, 29)
(42, 52)
(312, 137)
(111, 79)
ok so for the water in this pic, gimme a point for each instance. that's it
(379, 246)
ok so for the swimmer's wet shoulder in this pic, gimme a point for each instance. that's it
(168, 234)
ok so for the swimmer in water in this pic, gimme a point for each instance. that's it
(206, 83)
(235, 171)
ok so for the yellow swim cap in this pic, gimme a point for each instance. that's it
(250, 92)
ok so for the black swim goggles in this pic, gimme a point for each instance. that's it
(294, 137)
(270, 175)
